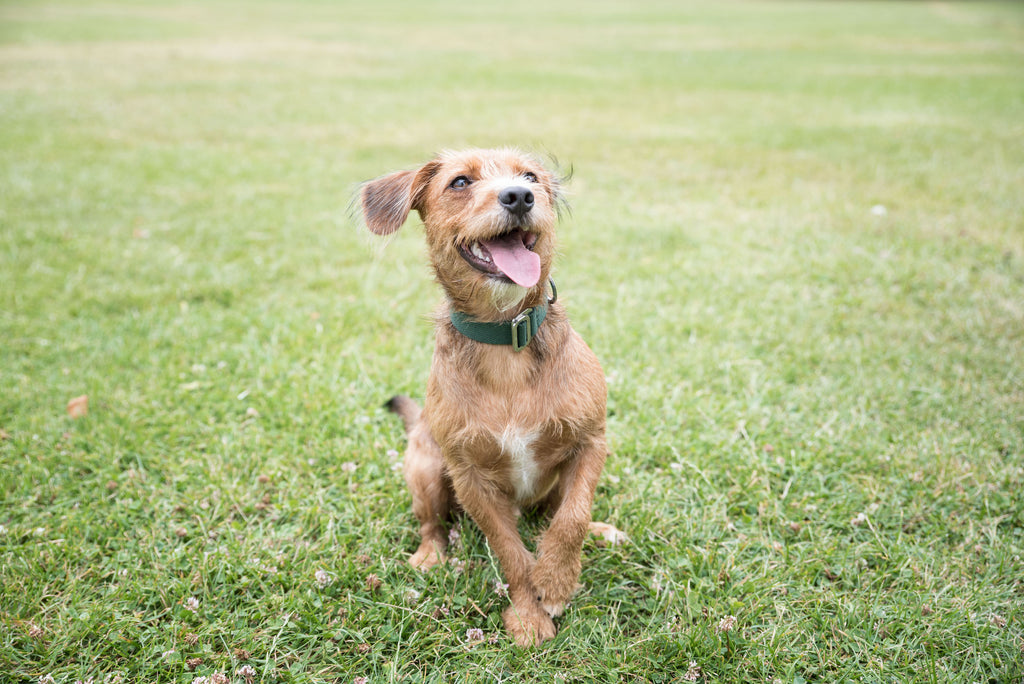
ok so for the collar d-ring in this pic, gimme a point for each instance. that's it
(554, 292)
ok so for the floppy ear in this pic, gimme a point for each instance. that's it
(388, 200)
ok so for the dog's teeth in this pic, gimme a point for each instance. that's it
(478, 253)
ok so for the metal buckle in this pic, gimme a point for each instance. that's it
(521, 337)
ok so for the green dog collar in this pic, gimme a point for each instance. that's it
(516, 333)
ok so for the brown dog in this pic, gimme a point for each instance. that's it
(515, 407)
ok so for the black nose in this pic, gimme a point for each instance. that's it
(516, 199)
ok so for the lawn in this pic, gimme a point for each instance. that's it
(796, 244)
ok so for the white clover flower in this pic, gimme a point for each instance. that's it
(726, 624)
(246, 672)
(323, 578)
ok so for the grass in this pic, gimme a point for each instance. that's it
(796, 245)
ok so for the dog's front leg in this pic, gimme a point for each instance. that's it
(495, 514)
(557, 569)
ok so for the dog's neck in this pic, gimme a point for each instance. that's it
(516, 333)
(519, 327)
(498, 366)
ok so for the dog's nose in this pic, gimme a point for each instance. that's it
(517, 200)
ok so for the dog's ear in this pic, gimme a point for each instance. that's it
(388, 200)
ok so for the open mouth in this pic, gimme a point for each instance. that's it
(509, 255)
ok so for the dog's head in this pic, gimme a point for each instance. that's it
(490, 223)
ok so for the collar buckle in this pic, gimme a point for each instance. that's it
(523, 329)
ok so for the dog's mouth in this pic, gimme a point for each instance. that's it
(509, 255)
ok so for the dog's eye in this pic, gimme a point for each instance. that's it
(531, 177)
(459, 183)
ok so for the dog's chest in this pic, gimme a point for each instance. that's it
(517, 445)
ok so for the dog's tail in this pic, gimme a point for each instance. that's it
(405, 407)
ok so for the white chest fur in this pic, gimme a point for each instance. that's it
(517, 445)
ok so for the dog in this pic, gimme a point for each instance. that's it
(514, 414)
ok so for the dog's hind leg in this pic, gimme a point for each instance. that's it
(608, 535)
(432, 496)
(429, 484)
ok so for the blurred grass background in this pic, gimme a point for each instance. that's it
(796, 244)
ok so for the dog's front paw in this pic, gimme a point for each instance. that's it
(552, 609)
(528, 625)
(555, 580)
(553, 605)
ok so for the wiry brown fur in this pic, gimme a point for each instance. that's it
(499, 429)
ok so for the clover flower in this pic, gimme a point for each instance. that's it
(246, 672)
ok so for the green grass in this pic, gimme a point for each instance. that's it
(816, 410)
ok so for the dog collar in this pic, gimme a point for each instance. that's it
(516, 333)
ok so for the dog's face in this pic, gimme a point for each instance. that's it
(490, 223)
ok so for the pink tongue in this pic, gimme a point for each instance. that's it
(514, 259)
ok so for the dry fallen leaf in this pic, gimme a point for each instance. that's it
(4, 434)
(79, 406)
